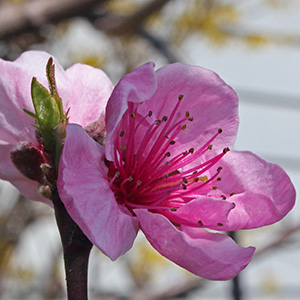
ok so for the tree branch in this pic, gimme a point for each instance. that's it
(31, 15)
(118, 25)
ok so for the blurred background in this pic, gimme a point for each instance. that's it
(254, 45)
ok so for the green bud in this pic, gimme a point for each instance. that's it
(50, 120)
(47, 113)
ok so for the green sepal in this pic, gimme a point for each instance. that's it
(47, 113)
(31, 114)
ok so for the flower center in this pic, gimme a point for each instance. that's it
(150, 170)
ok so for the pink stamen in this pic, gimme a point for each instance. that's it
(147, 175)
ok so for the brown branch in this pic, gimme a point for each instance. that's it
(31, 15)
(118, 25)
(76, 248)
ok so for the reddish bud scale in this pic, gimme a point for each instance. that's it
(28, 160)
(145, 173)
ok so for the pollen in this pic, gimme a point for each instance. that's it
(183, 127)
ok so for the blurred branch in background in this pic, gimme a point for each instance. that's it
(25, 23)
(30, 16)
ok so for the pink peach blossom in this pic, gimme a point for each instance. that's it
(166, 169)
(83, 88)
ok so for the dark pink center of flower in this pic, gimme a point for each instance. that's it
(149, 173)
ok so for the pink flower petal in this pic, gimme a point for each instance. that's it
(29, 189)
(210, 101)
(202, 211)
(264, 193)
(91, 89)
(209, 255)
(137, 86)
(84, 189)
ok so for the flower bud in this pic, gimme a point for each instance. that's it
(28, 158)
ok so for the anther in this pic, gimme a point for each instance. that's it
(172, 142)
(149, 113)
(130, 178)
(209, 147)
(183, 127)
(166, 137)
(157, 122)
(191, 150)
(220, 130)
(122, 133)
(166, 175)
(219, 169)
(122, 148)
(168, 154)
(168, 163)
(231, 194)
(214, 187)
(220, 224)
(191, 119)
(223, 197)
(132, 115)
(219, 178)
(165, 118)
(184, 186)
(184, 180)
(187, 114)
(196, 179)
(173, 209)
(138, 182)
(200, 223)
(225, 150)
(180, 97)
